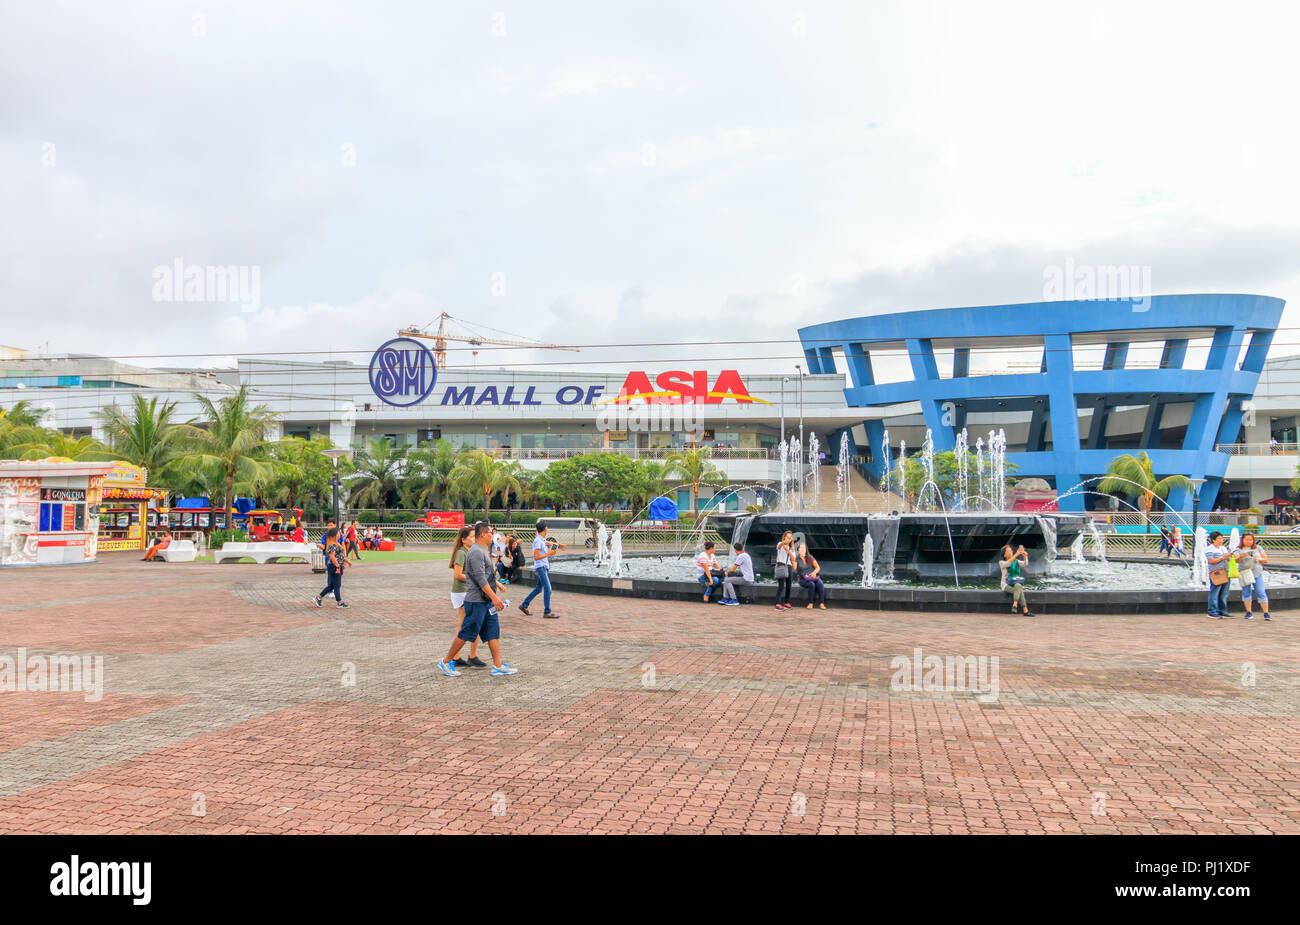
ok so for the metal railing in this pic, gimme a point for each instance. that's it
(1259, 449)
(659, 453)
(642, 538)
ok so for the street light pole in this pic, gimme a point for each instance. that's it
(799, 369)
(335, 455)
(784, 380)
(1196, 504)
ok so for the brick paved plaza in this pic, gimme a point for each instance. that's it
(225, 691)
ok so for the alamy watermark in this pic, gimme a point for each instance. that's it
(920, 672)
(53, 673)
(667, 418)
(178, 282)
(1108, 282)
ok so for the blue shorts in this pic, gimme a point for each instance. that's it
(480, 621)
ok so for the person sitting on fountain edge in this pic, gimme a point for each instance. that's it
(745, 565)
(1013, 580)
(707, 570)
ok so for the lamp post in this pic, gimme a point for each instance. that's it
(784, 380)
(799, 369)
(1196, 504)
(335, 454)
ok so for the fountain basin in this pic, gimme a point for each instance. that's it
(1284, 594)
(907, 545)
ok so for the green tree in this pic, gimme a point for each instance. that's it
(377, 474)
(298, 471)
(486, 475)
(40, 443)
(1132, 476)
(596, 478)
(694, 467)
(428, 476)
(20, 414)
(911, 474)
(654, 481)
(144, 434)
(231, 437)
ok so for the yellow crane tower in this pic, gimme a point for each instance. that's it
(474, 334)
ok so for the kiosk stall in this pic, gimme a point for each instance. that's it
(128, 509)
(49, 510)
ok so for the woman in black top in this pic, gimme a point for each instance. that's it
(809, 572)
(513, 560)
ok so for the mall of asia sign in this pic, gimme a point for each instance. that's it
(403, 373)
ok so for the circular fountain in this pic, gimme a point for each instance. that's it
(941, 556)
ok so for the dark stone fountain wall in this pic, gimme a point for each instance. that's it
(918, 545)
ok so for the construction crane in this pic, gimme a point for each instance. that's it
(471, 336)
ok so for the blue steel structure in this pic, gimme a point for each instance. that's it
(1239, 329)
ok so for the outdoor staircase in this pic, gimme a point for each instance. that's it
(868, 499)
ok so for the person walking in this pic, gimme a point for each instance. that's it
(464, 540)
(1166, 541)
(809, 571)
(482, 606)
(1216, 557)
(1251, 559)
(352, 546)
(707, 570)
(542, 552)
(335, 561)
(1176, 542)
(1012, 564)
(743, 564)
(784, 569)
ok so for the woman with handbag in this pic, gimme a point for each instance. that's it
(1216, 557)
(1250, 560)
(784, 564)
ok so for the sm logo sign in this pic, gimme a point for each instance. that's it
(403, 372)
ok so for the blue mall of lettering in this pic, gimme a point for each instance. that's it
(491, 395)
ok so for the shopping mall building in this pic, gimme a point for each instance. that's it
(1188, 379)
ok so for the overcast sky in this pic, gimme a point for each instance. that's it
(616, 172)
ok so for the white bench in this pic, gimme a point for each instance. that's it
(262, 553)
(178, 551)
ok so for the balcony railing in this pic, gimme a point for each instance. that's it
(634, 452)
(1259, 449)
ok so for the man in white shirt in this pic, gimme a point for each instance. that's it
(743, 564)
(707, 571)
(542, 552)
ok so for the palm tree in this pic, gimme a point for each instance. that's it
(19, 425)
(42, 444)
(484, 474)
(654, 480)
(428, 482)
(145, 435)
(694, 467)
(233, 438)
(377, 473)
(1133, 475)
(20, 414)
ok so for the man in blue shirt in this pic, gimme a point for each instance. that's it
(1216, 557)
